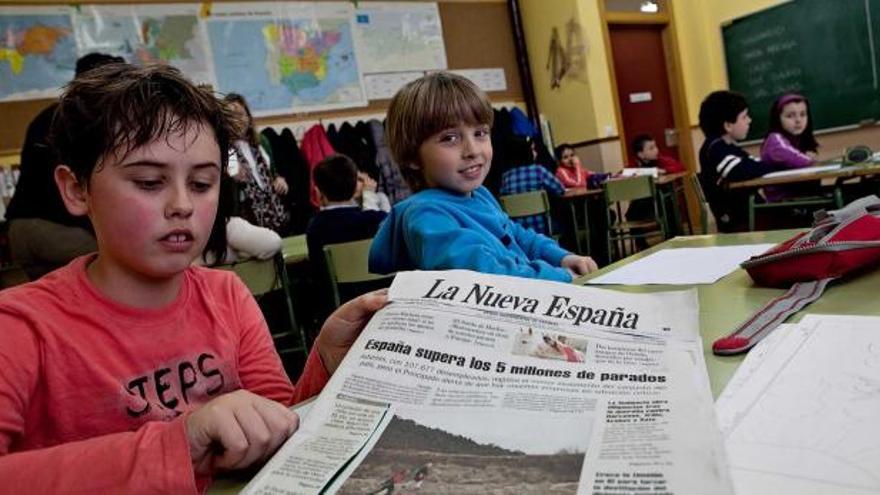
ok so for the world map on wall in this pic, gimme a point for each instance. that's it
(144, 37)
(289, 65)
(37, 55)
(284, 57)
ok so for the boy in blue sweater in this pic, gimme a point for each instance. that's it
(439, 133)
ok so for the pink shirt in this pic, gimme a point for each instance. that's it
(93, 394)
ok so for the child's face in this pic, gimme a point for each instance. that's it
(570, 158)
(153, 211)
(794, 117)
(650, 152)
(739, 129)
(456, 159)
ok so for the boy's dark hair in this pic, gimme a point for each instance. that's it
(519, 151)
(720, 107)
(336, 177)
(559, 150)
(426, 106)
(94, 60)
(638, 144)
(117, 108)
(806, 141)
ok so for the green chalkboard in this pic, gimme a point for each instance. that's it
(826, 50)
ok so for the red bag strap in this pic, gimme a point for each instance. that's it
(766, 319)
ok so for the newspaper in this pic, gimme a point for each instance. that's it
(470, 383)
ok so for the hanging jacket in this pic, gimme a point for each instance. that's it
(315, 147)
(390, 180)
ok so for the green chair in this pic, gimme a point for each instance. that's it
(704, 205)
(620, 230)
(12, 275)
(528, 204)
(347, 263)
(835, 200)
(262, 277)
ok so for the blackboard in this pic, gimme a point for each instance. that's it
(828, 51)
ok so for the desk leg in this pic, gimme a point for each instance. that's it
(752, 211)
(574, 226)
(586, 226)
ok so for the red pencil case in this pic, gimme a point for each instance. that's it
(841, 242)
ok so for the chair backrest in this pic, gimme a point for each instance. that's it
(259, 276)
(12, 275)
(628, 189)
(526, 204)
(704, 205)
(262, 277)
(347, 262)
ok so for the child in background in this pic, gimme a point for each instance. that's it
(526, 176)
(261, 190)
(368, 197)
(790, 143)
(647, 154)
(724, 120)
(438, 130)
(570, 172)
(129, 370)
(340, 219)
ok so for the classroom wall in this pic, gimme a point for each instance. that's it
(581, 111)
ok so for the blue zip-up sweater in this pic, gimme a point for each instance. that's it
(438, 230)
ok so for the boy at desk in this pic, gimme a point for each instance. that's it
(724, 120)
(438, 130)
(129, 370)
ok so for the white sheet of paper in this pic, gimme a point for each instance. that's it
(802, 171)
(813, 427)
(703, 265)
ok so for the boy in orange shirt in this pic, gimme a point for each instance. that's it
(129, 370)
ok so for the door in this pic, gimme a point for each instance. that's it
(643, 86)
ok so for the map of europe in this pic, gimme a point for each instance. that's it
(288, 65)
(37, 55)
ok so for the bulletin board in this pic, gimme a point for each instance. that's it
(477, 35)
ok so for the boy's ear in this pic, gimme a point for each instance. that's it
(727, 126)
(72, 192)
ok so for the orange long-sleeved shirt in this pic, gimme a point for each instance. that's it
(93, 394)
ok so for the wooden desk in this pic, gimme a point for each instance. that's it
(294, 249)
(841, 173)
(726, 303)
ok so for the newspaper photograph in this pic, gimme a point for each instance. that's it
(470, 383)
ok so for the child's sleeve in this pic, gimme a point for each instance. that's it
(538, 246)
(734, 165)
(436, 241)
(670, 165)
(153, 459)
(259, 364)
(551, 183)
(778, 150)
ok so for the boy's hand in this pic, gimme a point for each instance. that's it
(578, 265)
(280, 185)
(236, 430)
(345, 324)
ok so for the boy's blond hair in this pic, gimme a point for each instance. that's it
(428, 105)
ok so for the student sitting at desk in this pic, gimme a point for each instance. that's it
(129, 370)
(570, 172)
(790, 144)
(439, 132)
(340, 219)
(524, 176)
(724, 120)
(647, 154)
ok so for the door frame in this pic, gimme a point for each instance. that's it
(666, 20)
